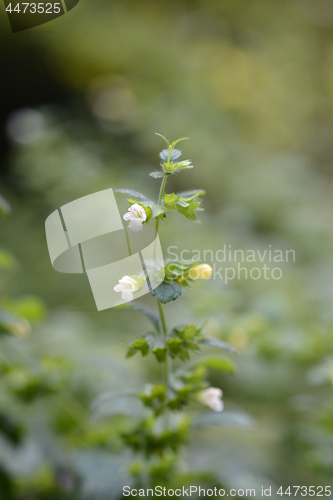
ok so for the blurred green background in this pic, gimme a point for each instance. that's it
(251, 84)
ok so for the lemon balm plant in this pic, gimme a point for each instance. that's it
(164, 429)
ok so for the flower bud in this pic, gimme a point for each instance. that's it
(200, 272)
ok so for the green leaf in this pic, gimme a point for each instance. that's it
(10, 323)
(159, 174)
(166, 292)
(133, 194)
(159, 392)
(170, 201)
(160, 353)
(174, 345)
(226, 417)
(217, 363)
(7, 261)
(187, 194)
(5, 208)
(188, 211)
(166, 140)
(157, 211)
(218, 343)
(188, 333)
(141, 345)
(116, 403)
(144, 310)
(178, 140)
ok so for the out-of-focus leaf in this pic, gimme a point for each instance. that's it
(117, 403)
(213, 342)
(144, 310)
(217, 363)
(134, 194)
(30, 308)
(10, 429)
(219, 419)
(5, 208)
(103, 473)
(14, 325)
(7, 261)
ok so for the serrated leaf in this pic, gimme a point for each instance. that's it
(221, 344)
(170, 201)
(5, 208)
(188, 211)
(133, 194)
(166, 292)
(166, 140)
(227, 417)
(178, 140)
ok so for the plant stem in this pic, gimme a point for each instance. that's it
(160, 197)
(160, 307)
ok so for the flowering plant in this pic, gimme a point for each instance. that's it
(164, 429)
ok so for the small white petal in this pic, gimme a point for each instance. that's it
(127, 295)
(135, 227)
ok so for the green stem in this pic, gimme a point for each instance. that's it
(167, 368)
(160, 197)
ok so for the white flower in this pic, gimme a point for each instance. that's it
(127, 286)
(211, 397)
(136, 215)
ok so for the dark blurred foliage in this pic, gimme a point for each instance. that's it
(251, 83)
